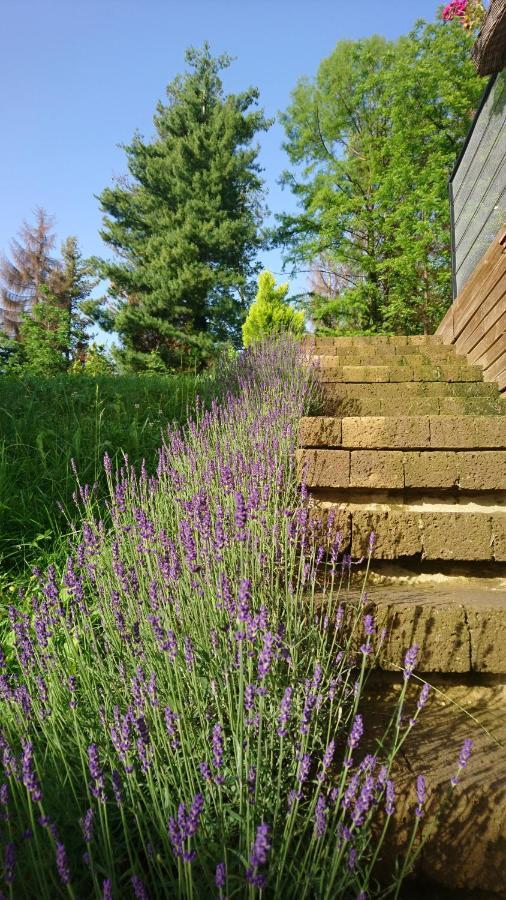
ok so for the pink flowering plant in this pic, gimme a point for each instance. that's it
(180, 709)
(470, 13)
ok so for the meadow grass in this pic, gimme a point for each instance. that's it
(45, 423)
(180, 708)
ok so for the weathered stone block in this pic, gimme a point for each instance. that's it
(396, 528)
(386, 431)
(499, 536)
(467, 432)
(376, 469)
(430, 469)
(324, 468)
(482, 470)
(320, 431)
(457, 536)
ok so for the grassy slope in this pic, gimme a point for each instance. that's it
(44, 423)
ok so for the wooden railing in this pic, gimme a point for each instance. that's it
(476, 320)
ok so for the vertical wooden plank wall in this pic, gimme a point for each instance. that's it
(476, 320)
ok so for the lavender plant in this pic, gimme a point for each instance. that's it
(181, 718)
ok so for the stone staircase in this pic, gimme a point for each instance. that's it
(409, 442)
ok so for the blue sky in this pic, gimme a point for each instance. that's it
(79, 76)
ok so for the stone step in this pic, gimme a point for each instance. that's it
(404, 432)
(462, 470)
(381, 406)
(445, 356)
(464, 847)
(328, 371)
(422, 530)
(401, 391)
(458, 628)
(393, 344)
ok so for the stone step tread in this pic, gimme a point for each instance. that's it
(415, 432)
(462, 470)
(396, 374)
(457, 629)
(409, 389)
(328, 371)
(442, 406)
(444, 357)
(415, 531)
(376, 340)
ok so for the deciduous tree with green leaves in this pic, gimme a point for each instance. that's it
(270, 314)
(185, 227)
(372, 140)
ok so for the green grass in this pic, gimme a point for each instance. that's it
(47, 422)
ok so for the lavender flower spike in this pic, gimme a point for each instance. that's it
(410, 660)
(421, 794)
(284, 712)
(357, 730)
(258, 856)
(30, 779)
(464, 757)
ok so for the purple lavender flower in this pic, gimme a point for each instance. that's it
(220, 878)
(265, 655)
(304, 767)
(421, 794)
(369, 625)
(241, 516)
(243, 601)
(184, 827)
(188, 653)
(139, 888)
(357, 730)
(328, 756)
(9, 862)
(284, 712)
(363, 801)
(252, 783)
(171, 725)
(249, 696)
(205, 771)
(72, 690)
(62, 865)
(424, 695)
(107, 889)
(410, 660)
(389, 798)
(352, 858)
(464, 757)
(30, 779)
(372, 541)
(97, 787)
(258, 856)
(117, 787)
(320, 817)
(217, 746)
(86, 824)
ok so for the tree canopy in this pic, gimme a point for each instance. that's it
(185, 226)
(271, 314)
(372, 140)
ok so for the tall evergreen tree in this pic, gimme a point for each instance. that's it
(186, 226)
(23, 278)
(70, 286)
(372, 141)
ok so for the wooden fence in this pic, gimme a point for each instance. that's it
(476, 320)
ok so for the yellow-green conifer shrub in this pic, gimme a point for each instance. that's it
(270, 314)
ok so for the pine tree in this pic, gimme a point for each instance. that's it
(186, 226)
(22, 279)
(271, 314)
(70, 285)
